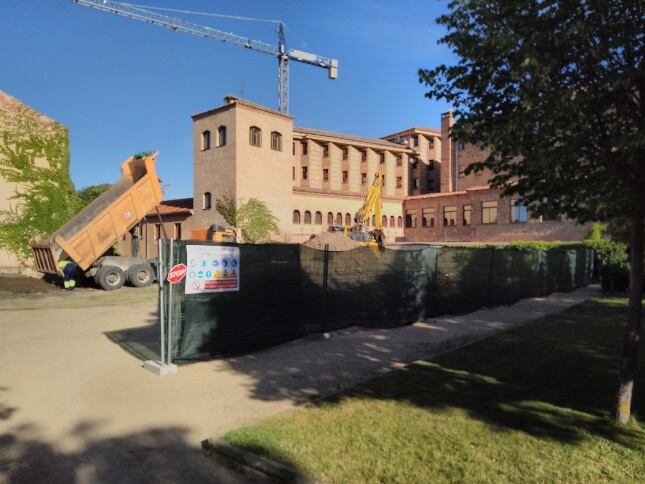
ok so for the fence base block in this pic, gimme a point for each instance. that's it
(159, 368)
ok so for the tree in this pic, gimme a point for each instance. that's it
(554, 92)
(252, 218)
(88, 194)
(34, 154)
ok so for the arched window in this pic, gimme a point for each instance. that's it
(276, 141)
(296, 216)
(318, 219)
(399, 222)
(384, 221)
(221, 136)
(255, 136)
(392, 223)
(307, 217)
(348, 220)
(330, 218)
(206, 201)
(206, 140)
(373, 220)
(339, 218)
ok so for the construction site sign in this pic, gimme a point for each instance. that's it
(212, 268)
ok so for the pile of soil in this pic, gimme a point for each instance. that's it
(18, 284)
(336, 240)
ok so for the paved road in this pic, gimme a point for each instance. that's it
(76, 407)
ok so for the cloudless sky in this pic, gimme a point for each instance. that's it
(123, 86)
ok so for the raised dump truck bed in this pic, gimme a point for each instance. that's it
(86, 237)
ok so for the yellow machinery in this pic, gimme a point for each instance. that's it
(214, 233)
(372, 206)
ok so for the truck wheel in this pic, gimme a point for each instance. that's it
(140, 275)
(110, 278)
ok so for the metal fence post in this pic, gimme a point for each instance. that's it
(325, 312)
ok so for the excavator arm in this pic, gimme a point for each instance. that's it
(372, 204)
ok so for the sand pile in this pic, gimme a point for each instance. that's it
(336, 240)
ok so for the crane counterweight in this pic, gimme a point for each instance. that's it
(175, 24)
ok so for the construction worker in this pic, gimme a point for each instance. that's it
(69, 271)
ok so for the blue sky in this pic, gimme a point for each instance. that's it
(122, 86)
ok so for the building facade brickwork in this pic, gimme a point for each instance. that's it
(311, 179)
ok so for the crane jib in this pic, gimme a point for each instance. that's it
(177, 25)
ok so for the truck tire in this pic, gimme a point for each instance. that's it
(110, 278)
(140, 275)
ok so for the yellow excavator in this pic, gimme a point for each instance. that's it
(372, 205)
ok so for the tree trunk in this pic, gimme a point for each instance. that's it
(629, 361)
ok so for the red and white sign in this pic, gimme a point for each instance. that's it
(176, 274)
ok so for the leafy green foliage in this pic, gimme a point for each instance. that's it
(34, 155)
(252, 218)
(550, 89)
(88, 194)
(544, 245)
(597, 232)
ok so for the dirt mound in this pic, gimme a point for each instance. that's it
(18, 284)
(336, 240)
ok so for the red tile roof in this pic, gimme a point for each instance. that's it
(173, 207)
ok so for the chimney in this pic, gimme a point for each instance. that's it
(447, 154)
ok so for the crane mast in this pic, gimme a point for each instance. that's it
(179, 25)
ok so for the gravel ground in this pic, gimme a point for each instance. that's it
(76, 407)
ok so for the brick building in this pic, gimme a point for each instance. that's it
(311, 179)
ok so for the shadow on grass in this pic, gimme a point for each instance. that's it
(554, 379)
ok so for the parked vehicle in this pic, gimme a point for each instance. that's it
(88, 236)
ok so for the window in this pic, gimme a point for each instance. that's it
(392, 222)
(304, 172)
(381, 158)
(384, 220)
(325, 151)
(399, 221)
(415, 183)
(293, 172)
(468, 213)
(157, 231)
(460, 146)
(363, 155)
(462, 171)
(345, 176)
(415, 140)
(318, 218)
(325, 174)
(411, 218)
(399, 160)
(415, 163)
(296, 216)
(221, 136)
(339, 218)
(430, 184)
(399, 181)
(307, 219)
(206, 140)
(427, 217)
(206, 201)
(348, 219)
(276, 141)
(363, 178)
(519, 213)
(345, 153)
(255, 136)
(489, 212)
(430, 165)
(449, 216)
(177, 230)
(304, 147)
(373, 220)
(293, 148)
(330, 218)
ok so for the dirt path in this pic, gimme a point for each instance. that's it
(75, 405)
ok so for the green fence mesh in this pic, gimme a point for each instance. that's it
(288, 291)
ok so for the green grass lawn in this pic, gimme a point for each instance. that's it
(529, 405)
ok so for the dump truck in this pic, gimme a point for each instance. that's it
(87, 236)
